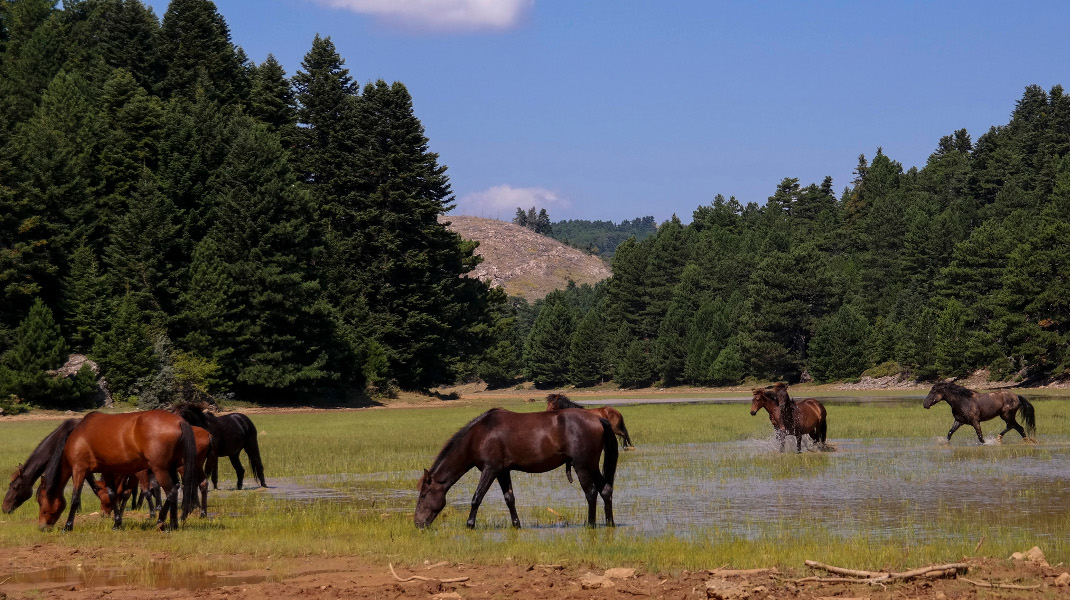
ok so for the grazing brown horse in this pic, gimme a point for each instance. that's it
(117, 446)
(970, 408)
(231, 434)
(114, 491)
(499, 441)
(788, 417)
(21, 487)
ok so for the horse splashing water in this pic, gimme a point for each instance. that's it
(970, 408)
(789, 417)
(498, 442)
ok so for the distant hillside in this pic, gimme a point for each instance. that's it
(525, 263)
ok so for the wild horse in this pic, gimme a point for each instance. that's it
(970, 408)
(117, 446)
(231, 433)
(559, 401)
(498, 442)
(788, 417)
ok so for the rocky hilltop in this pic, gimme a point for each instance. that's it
(523, 262)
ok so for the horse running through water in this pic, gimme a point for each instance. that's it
(788, 417)
(117, 446)
(498, 442)
(970, 408)
(231, 433)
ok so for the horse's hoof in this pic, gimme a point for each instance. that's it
(999, 439)
(629, 448)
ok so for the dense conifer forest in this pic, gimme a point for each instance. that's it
(195, 222)
(200, 224)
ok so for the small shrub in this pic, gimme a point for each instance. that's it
(885, 369)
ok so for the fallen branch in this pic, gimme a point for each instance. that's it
(421, 578)
(878, 576)
(740, 572)
(1002, 586)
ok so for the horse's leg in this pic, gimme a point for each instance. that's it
(954, 427)
(235, 460)
(168, 482)
(505, 480)
(798, 442)
(568, 470)
(78, 473)
(977, 428)
(590, 483)
(485, 479)
(781, 435)
(204, 495)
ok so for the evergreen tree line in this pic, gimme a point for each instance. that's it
(601, 238)
(933, 272)
(539, 222)
(189, 218)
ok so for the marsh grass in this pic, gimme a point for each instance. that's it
(389, 448)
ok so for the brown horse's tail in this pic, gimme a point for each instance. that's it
(192, 470)
(627, 441)
(1029, 416)
(609, 465)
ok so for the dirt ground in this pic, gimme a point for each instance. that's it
(49, 571)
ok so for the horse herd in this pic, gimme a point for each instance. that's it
(157, 449)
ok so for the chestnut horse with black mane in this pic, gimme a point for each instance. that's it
(117, 446)
(788, 417)
(231, 433)
(970, 408)
(498, 442)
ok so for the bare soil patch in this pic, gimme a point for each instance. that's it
(356, 577)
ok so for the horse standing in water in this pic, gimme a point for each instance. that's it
(499, 441)
(788, 417)
(231, 433)
(559, 401)
(117, 446)
(970, 408)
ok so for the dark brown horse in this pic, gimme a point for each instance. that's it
(117, 446)
(788, 417)
(231, 434)
(559, 401)
(499, 441)
(21, 487)
(970, 408)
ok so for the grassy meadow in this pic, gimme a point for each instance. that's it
(385, 450)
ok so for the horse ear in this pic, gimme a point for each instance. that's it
(423, 479)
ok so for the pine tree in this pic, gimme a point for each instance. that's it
(950, 349)
(586, 354)
(671, 346)
(838, 349)
(84, 296)
(422, 311)
(664, 263)
(500, 365)
(197, 56)
(263, 235)
(728, 368)
(272, 100)
(546, 356)
(38, 347)
(125, 351)
(635, 369)
(211, 310)
(143, 255)
(126, 34)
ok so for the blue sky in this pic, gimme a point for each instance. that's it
(619, 109)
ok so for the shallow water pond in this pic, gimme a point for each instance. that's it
(877, 488)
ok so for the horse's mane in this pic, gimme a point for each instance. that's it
(562, 401)
(780, 391)
(57, 440)
(193, 413)
(952, 390)
(455, 438)
(42, 454)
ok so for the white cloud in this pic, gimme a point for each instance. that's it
(501, 201)
(440, 14)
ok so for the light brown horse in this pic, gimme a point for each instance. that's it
(559, 401)
(791, 418)
(117, 446)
